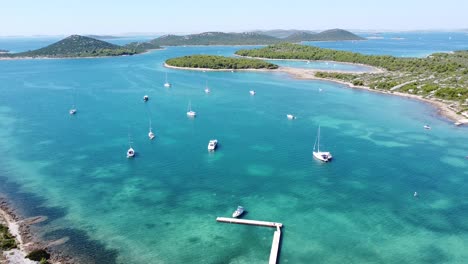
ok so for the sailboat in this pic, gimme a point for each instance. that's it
(167, 84)
(207, 90)
(130, 151)
(190, 113)
(73, 108)
(320, 155)
(151, 134)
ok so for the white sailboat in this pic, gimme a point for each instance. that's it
(151, 134)
(320, 155)
(167, 84)
(207, 90)
(190, 113)
(73, 108)
(130, 151)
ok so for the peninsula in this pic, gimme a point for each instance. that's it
(252, 38)
(440, 77)
(76, 46)
(218, 63)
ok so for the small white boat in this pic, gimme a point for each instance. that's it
(191, 113)
(458, 123)
(212, 144)
(290, 117)
(73, 109)
(207, 90)
(252, 92)
(324, 156)
(415, 194)
(151, 134)
(427, 127)
(146, 98)
(130, 153)
(167, 84)
(239, 211)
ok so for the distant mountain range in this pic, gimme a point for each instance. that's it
(254, 38)
(82, 46)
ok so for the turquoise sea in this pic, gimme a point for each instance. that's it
(161, 206)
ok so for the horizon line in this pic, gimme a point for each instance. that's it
(130, 34)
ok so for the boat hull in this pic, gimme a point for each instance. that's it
(322, 156)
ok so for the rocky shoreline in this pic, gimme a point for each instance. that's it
(27, 241)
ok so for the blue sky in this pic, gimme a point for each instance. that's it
(62, 17)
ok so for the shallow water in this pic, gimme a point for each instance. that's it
(161, 206)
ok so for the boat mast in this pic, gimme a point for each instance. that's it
(318, 140)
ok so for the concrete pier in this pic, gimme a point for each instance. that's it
(276, 236)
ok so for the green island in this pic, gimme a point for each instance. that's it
(76, 46)
(441, 76)
(253, 38)
(219, 63)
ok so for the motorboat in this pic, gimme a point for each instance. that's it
(324, 156)
(427, 127)
(146, 98)
(290, 117)
(238, 212)
(252, 92)
(72, 111)
(130, 153)
(212, 144)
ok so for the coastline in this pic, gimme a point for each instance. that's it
(19, 227)
(69, 58)
(216, 70)
(442, 108)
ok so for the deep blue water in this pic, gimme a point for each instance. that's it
(161, 206)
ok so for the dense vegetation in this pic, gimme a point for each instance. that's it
(252, 38)
(79, 46)
(437, 62)
(38, 255)
(219, 62)
(4, 51)
(7, 241)
(442, 75)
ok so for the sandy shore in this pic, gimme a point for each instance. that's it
(27, 242)
(443, 108)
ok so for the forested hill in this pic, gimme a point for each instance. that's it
(253, 38)
(327, 35)
(78, 46)
(215, 38)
